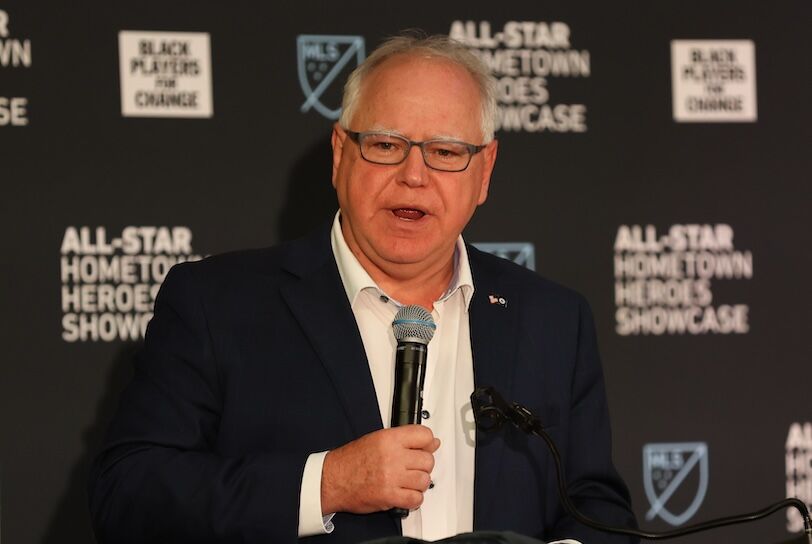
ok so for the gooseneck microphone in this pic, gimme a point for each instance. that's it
(414, 328)
(491, 411)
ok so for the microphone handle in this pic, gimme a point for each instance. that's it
(407, 401)
(410, 375)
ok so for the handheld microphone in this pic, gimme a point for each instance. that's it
(414, 328)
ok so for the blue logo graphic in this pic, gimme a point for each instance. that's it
(321, 60)
(521, 253)
(665, 468)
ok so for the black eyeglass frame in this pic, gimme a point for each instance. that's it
(472, 149)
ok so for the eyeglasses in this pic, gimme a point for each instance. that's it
(388, 148)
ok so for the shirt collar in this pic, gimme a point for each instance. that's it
(356, 279)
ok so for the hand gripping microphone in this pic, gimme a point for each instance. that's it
(414, 328)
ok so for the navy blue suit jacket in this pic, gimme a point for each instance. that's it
(253, 360)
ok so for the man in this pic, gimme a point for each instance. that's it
(257, 410)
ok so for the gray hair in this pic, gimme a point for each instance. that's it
(437, 46)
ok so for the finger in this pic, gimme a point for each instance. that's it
(416, 480)
(419, 460)
(414, 436)
(434, 446)
(409, 499)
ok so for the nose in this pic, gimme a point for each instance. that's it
(413, 169)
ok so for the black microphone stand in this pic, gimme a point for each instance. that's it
(491, 411)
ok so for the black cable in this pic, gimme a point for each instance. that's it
(491, 410)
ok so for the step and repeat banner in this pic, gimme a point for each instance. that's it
(654, 156)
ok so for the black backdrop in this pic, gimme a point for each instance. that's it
(256, 171)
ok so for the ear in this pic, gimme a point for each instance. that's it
(337, 139)
(489, 154)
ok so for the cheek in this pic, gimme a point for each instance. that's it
(345, 181)
(360, 191)
(466, 198)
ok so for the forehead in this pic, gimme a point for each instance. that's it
(421, 97)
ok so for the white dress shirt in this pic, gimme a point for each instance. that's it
(448, 505)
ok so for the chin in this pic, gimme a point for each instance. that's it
(410, 252)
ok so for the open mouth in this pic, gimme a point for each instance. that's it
(411, 214)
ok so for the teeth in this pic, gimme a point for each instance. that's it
(408, 213)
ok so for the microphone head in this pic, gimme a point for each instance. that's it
(414, 323)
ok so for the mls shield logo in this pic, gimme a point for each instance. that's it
(521, 253)
(322, 59)
(675, 476)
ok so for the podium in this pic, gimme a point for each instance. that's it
(479, 537)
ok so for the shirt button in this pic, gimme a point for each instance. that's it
(384, 299)
(431, 484)
(425, 414)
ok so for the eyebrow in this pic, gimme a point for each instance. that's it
(395, 132)
(385, 130)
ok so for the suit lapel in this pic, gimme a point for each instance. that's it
(319, 303)
(494, 332)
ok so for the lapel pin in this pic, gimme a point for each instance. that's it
(496, 299)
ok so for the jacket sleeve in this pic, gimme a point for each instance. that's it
(594, 485)
(159, 476)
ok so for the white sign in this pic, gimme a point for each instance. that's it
(165, 74)
(713, 80)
